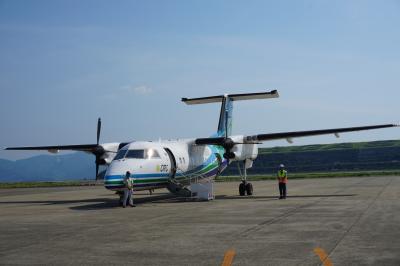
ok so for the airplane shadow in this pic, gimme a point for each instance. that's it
(225, 197)
(93, 204)
(109, 203)
(114, 203)
(102, 202)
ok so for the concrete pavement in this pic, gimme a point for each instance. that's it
(354, 220)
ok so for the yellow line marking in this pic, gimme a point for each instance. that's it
(228, 258)
(323, 257)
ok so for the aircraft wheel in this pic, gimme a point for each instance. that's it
(249, 189)
(242, 189)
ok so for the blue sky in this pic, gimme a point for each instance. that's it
(65, 63)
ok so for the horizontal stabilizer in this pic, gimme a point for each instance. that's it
(233, 97)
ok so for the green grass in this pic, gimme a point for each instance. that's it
(312, 175)
(45, 184)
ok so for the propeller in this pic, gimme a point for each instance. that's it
(228, 143)
(98, 130)
(99, 151)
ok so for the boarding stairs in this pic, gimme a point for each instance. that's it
(194, 186)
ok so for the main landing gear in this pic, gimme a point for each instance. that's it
(245, 187)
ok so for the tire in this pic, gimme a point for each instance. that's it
(242, 189)
(249, 189)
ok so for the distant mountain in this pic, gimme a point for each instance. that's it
(75, 166)
(6, 169)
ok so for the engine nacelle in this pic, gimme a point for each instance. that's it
(243, 151)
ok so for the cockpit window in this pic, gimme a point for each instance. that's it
(152, 154)
(135, 154)
(120, 154)
(142, 154)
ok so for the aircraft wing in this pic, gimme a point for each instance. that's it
(96, 149)
(289, 135)
(84, 147)
(296, 134)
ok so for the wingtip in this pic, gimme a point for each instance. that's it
(275, 93)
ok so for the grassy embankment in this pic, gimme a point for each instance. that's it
(46, 184)
(312, 175)
(331, 147)
(321, 150)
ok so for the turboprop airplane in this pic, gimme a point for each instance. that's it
(174, 164)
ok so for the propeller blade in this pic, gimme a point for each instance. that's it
(226, 125)
(100, 149)
(98, 130)
(97, 168)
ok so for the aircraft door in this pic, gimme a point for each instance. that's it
(219, 159)
(173, 163)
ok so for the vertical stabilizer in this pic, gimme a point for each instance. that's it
(225, 117)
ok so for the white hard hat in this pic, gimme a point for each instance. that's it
(282, 166)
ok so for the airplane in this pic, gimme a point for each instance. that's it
(174, 164)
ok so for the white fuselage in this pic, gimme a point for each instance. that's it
(154, 164)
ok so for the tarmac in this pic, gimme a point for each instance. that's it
(332, 221)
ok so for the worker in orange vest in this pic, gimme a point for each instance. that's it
(282, 179)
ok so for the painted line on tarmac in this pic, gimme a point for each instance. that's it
(228, 258)
(323, 257)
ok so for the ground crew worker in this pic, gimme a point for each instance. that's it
(282, 179)
(128, 182)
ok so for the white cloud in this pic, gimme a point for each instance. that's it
(126, 91)
(141, 90)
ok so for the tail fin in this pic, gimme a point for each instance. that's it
(225, 117)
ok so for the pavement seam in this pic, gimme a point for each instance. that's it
(290, 212)
(274, 220)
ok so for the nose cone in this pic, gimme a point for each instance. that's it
(114, 178)
(119, 167)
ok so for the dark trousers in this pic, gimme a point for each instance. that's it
(282, 189)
